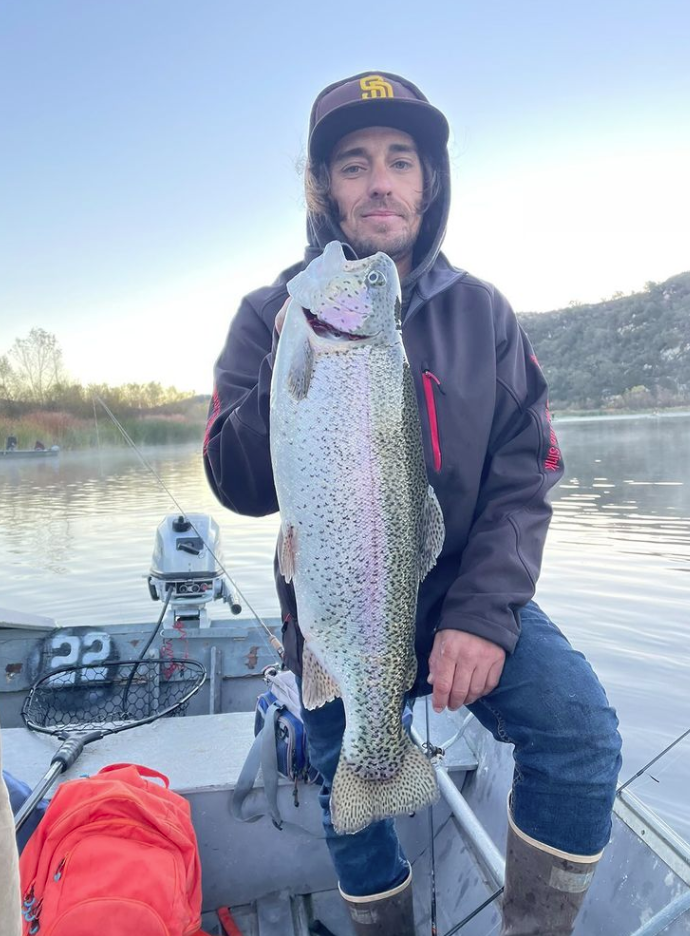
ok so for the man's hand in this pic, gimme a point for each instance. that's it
(280, 317)
(463, 668)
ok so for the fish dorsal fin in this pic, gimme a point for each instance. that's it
(305, 287)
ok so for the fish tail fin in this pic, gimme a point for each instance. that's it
(357, 801)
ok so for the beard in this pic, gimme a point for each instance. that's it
(398, 244)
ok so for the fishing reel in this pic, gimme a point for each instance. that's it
(187, 568)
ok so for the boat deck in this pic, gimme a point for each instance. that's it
(277, 883)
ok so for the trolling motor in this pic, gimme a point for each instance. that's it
(187, 568)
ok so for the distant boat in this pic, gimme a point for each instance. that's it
(30, 453)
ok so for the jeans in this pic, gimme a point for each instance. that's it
(550, 705)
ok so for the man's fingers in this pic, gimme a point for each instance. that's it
(478, 688)
(442, 687)
(494, 677)
(460, 690)
(441, 672)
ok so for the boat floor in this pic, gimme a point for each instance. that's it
(280, 914)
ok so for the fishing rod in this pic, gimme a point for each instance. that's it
(275, 643)
(646, 767)
(432, 837)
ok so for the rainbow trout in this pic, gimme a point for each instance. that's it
(360, 524)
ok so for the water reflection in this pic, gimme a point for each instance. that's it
(78, 532)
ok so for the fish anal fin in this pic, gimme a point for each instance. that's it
(301, 369)
(318, 686)
(357, 801)
(287, 551)
(433, 533)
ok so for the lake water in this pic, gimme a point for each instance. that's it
(77, 534)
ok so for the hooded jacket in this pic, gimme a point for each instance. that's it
(490, 450)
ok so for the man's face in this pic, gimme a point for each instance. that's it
(377, 183)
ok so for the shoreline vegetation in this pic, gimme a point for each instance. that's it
(73, 433)
(625, 356)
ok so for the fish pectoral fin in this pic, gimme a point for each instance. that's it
(287, 551)
(318, 686)
(301, 369)
(433, 533)
(356, 801)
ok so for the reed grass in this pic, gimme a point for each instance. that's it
(72, 432)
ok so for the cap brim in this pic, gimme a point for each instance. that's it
(425, 123)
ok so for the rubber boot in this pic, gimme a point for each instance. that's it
(386, 914)
(544, 887)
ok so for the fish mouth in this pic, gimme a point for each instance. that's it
(324, 330)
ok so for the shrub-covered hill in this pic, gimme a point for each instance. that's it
(627, 352)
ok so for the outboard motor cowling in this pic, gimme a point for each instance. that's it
(187, 561)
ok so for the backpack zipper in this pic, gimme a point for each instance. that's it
(429, 380)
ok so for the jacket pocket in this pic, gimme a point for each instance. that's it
(432, 386)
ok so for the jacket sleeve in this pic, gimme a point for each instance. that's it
(502, 558)
(237, 455)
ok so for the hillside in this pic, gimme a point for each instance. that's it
(627, 352)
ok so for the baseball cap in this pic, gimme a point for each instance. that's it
(373, 99)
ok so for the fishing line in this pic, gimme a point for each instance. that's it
(652, 761)
(471, 916)
(275, 643)
(432, 847)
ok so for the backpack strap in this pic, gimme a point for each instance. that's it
(263, 754)
(230, 928)
(146, 772)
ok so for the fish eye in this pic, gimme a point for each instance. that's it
(376, 278)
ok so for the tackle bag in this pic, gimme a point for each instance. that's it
(115, 854)
(279, 709)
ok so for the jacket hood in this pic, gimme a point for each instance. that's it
(321, 230)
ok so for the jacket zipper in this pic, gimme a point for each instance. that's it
(429, 380)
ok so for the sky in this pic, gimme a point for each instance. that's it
(151, 149)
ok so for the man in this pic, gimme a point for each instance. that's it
(10, 917)
(378, 179)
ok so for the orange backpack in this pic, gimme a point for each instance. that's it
(115, 854)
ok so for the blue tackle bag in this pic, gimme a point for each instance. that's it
(279, 748)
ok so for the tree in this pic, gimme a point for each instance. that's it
(7, 379)
(35, 365)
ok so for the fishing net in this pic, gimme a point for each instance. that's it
(110, 697)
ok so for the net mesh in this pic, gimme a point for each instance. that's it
(111, 696)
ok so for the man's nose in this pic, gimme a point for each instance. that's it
(380, 182)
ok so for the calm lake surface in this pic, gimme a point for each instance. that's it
(77, 535)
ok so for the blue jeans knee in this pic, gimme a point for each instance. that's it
(551, 706)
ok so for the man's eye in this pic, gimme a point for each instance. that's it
(351, 170)
(402, 164)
